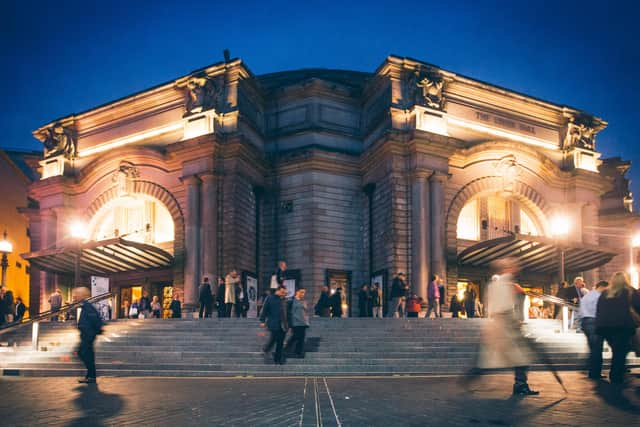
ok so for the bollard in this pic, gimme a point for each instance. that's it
(565, 318)
(35, 328)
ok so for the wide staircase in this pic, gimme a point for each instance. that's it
(232, 347)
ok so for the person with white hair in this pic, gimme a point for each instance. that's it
(90, 326)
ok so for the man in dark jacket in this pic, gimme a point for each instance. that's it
(323, 306)
(222, 308)
(398, 296)
(274, 318)
(90, 327)
(205, 298)
(175, 307)
(19, 312)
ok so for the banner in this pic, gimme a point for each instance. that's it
(252, 295)
(99, 286)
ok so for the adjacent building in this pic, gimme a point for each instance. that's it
(349, 176)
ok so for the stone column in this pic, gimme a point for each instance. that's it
(192, 241)
(438, 241)
(48, 225)
(420, 230)
(209, 227)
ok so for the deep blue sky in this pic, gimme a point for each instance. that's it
(77, 55)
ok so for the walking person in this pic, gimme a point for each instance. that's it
(230, 283)
(364, 301)
(470, 302)
(336, 304)
(323, 306)
(205, 298)
(588, 311)
(433, 297)
(90, 326)
(144, 306)
(55, 302)
(398, 296)
(376, 300)
(156, 307)
(299, 322)
(617, 317)
(222, 308)
(175, 307)
(274, 318)
(503, 344)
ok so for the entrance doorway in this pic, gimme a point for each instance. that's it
(461, 293)
(127, 296)
(338, 279)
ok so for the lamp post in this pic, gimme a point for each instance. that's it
(560, 229)
(633, 271)
(78, 231)
(6, 248)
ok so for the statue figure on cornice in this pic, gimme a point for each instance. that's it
(203, 94)
(580, 133)
(59, 139)
(124, 178)
(431, 85)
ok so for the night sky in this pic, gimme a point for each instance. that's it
(78, 55)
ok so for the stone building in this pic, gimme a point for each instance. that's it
(346, 175)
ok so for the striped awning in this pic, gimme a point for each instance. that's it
(537, 254)
(101, 258)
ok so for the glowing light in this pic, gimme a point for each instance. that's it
(635, 240)
(131, 139)
(634, 276)
(5, 246)
(560, 226)
(502, 134)
(78, 230)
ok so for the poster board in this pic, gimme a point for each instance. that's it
(99, 286)
(252, 296)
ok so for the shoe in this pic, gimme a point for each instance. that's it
(524, 390)
(87, 381)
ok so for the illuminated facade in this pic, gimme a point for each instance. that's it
(346, 175)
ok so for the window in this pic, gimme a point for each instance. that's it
(527, 226)
(469, 222)
(136, 218)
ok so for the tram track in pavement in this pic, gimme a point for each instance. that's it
(318, 408)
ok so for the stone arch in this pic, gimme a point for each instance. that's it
(522, 192)
(151, 189)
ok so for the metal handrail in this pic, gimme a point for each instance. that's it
(552, 299)
(49, 314)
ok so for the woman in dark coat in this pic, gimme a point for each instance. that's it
(364, 301)
(616, 322)
(336, 304)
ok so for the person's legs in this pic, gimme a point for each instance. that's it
(279, 337)
(393, 308)
(438, 309)
(229, 308)
(201, 310)
(431, 308)
(302, 332)
(520, 384)
(270, 343)
(403, 307)
(595, 347)
(619, 343)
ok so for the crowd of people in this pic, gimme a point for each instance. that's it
(11, 310)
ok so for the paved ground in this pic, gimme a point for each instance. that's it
(314, 401)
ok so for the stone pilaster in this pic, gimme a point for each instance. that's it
(48, 226)
(192, 241)
(209, 227)
(438, 243)
(589, 236)
(420, 231)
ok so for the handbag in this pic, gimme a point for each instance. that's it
(133, 311)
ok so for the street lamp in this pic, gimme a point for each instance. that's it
(79, 233)
(6, 248)
(633, 271)
(560, 229)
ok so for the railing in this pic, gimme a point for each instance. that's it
(35, 321)
(566, 306)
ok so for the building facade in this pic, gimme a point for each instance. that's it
(348, 176)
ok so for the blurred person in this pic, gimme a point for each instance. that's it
(298, 321)
(588, 311)
(323, 306)
(376, 301)
(454, 306)
(230, 282)
(433, 297)
(222, 308)
(470, 302)
(413, 306)
(364, 301)
(144, 306)
(274, 318)
(156, 307)
(55, 302)
(242, 301)
(90, 326)
(205, 298)
(617, 317)
(336, 304)
(398, 296)
(175, 307)
(20, 308)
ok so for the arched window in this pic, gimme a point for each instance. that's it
(494, 216)
(138, 218)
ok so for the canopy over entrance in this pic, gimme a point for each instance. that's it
(537, 254)
(101, 258)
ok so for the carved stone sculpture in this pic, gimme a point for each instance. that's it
(59, 139)
(580, 133)
(507, 169)
(430, 86)
(124, 178)
(202, 94)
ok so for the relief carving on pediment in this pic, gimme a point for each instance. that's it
(202, 94)
(580, 132)
(426, 88)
